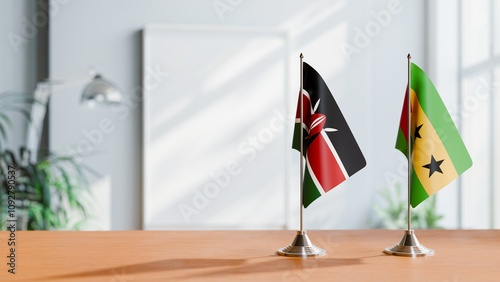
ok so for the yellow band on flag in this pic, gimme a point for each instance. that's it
(431, 162)
(438, 154)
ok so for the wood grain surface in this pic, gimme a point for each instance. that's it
(353, 255)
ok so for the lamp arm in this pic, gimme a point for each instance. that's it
(98, 88)
(72, 81)
(38, 111)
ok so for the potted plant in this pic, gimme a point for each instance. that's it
(49, 193)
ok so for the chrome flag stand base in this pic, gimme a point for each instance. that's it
(301, 247)
(409, 247)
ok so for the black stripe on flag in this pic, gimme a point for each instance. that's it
(343, 140)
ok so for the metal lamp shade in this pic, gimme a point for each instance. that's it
(101, 91)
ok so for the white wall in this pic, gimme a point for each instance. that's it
(18, 63)
(368, 87)
(465, 65)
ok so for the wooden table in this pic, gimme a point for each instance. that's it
(461, 255)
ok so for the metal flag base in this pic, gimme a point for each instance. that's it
(301, 247)
(409, 247)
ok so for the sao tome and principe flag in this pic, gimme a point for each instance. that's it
(438, 152)
(330, 150)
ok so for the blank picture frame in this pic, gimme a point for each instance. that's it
(216, 127)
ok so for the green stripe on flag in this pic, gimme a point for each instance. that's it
(401, 143)
(417, 193)
(296, 137)
(438, 115)
(311, 192)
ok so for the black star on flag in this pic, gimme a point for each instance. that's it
(434, 166)
(428, 125)
(417, 132)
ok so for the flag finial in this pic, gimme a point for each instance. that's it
(301, 56)
(409, 56)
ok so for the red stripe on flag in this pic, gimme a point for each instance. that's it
(307, 110)
(403, 123)
(323, 164)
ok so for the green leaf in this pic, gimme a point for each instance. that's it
(56, 187)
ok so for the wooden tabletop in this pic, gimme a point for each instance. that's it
(461, 255)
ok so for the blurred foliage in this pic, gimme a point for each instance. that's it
(49, 193)
(393, 212)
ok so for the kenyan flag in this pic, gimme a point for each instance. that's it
(330, 150)
(438, 153)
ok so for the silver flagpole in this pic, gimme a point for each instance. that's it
(301, 185)
(409, 245)
(410, 157)
(301, 245)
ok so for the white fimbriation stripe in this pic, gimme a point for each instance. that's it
(313, 176)
(339, 161)
(304, 126)
(305, 93)
(337, 158)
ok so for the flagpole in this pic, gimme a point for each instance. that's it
(409, 246)
(301, 245)
(301, 206)
(409, 140)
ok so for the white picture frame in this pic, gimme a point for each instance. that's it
(216, 127)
